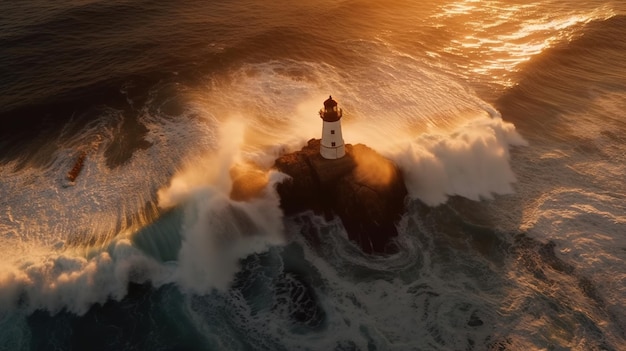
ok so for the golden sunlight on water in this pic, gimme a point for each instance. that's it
(496, 37)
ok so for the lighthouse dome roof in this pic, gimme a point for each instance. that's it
(330, 112)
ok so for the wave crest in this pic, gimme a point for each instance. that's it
(472, 161)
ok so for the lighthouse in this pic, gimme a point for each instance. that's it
(332, 146)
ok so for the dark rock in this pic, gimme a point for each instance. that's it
(78, 167)
(363, 188)
(474, 321)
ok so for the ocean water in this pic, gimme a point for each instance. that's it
(506, 118)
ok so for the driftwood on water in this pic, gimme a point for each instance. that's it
(78, 167)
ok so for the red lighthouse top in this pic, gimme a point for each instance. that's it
(330, 112)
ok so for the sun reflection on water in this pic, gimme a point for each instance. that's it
(494, 41)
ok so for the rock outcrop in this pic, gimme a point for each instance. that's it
(365, 190)
(78, 167)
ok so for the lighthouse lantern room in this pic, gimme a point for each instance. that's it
(332, 145)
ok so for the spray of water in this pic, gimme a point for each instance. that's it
(75, 283)
(218, 231)
(472, 161)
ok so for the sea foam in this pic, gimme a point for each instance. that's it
(472, 161)
(217, 231)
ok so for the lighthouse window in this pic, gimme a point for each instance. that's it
(333, 143)
(332, 131)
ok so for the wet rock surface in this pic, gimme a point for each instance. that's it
(364, 189)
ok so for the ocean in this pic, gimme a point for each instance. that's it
(122, 121)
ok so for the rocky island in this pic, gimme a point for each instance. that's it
(364, 189)
(357, 184)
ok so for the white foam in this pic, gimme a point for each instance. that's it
(446, 140)
(393, 302)
(472, 161)
(74, 282)
(584, 225)
(50, 226)
(218, 232)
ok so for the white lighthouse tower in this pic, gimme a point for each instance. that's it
(332, 140)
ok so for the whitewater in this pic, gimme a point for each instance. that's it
(506, 121)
